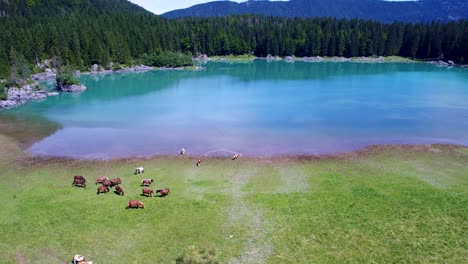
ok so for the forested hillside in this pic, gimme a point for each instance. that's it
(83, 37)
(66, 7)
(378, 10)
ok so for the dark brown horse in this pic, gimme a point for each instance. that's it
(115, 182)
(102, 189)
(119, 190)
(135, 204)
(79, 181)
(164, 192)
(101, 179)
(147, 192)
(146, 182)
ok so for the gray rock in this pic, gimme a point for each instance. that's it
(202, 57)
(451, 63)
(52, 94)
(47, 74)
(17, 96)
(95, 68)
(38, 95)
(312, 59)
(289, 59)
(72, 88)
(442, 63)
(7, 103)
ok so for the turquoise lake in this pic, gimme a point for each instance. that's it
(255, 109)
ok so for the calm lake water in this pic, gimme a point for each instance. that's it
(257, 108)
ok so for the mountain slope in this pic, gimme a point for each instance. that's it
(57, 7)
(383, 11)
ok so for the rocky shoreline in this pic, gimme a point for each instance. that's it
(203, 58)
(20, 95)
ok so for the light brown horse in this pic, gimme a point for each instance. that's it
(146, 182)
(135, 204)
(164, 192)
(147, 192)
(102, 189)
(107, 183)
(116, 181)
(101, 179)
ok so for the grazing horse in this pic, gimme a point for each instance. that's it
(107, 183)
(235, 157)
(115, 182)
(139, 170)
(147, 192)
(79, 181)
(164, 192)
(102, 189)
(199, 163)
(119, 190)
(101, 179)
(79, 177)
(135, 204)
(146, 182)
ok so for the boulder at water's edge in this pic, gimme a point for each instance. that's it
(72, 88)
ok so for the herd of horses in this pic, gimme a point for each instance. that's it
(107, 184)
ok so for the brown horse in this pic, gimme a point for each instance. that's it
(78, 177)
(107, 183)
(115, 182)
(101, 179)
(135, 204)
(119, 190)
(164, 192)
(79, 181)
(147, 192)
(102, 189)
(146, 182)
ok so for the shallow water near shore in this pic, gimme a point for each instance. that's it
(256, 109)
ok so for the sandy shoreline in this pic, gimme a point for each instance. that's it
(353, 154)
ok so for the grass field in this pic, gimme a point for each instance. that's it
(383, 204)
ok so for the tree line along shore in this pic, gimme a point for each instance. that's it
(82, 39)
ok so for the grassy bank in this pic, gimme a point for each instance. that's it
(387, 204)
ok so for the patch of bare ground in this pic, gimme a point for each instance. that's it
(257, 247)
(294, 179)
(20, 258)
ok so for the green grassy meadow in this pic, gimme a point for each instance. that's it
(383, 204)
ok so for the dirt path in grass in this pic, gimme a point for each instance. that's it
(257, 247)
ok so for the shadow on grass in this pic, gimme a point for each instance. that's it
(118, 193)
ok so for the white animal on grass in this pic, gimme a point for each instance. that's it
(139, 170)
(182, 152)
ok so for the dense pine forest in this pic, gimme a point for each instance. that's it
(84, 36)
